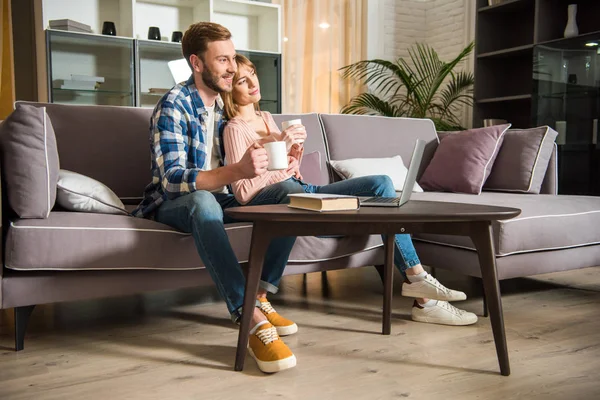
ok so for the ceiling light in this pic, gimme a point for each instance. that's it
(324, 25)
(285, 39)
(591, 44)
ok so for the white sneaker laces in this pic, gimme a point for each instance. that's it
(437, 284)
(266, 307)
(450, 307)
(267, 335)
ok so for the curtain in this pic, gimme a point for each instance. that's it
(320, 37)
(7, 81)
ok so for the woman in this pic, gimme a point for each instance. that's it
(248, 126)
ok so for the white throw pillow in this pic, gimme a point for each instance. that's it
(357, 167)
(76, 192)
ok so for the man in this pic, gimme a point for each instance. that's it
(188, 189)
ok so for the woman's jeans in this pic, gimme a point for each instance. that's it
(405, 255)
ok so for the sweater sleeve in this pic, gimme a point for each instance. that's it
(237, 139)
(277, 133)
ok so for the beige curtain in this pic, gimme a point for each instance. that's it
(7, 81)
(319, 37)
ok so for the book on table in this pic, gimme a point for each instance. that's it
(323, 202)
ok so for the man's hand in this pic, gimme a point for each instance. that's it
(294, 167)
(254, 162)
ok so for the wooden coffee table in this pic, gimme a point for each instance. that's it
(471, 220)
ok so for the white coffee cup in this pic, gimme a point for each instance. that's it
(277, 155)
(287, 124)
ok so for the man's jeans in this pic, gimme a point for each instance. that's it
(201, 214)
(405, 255)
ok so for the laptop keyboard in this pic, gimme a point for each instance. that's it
(382, 200)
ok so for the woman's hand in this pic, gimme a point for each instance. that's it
(294, 134)
(294, 167)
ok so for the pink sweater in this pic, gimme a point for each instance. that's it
(238, 137)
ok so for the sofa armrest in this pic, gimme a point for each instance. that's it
(550, 183)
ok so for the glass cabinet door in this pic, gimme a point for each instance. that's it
(567, 98)
(269, 73)
(90, 69)
(155, 78)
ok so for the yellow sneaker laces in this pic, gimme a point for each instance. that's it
(266, 307)
(267, 335)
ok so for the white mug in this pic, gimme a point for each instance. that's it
(277, 155)
(287, 124)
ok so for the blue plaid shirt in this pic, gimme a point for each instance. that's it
(178, 145)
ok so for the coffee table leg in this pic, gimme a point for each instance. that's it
(483, 239)
(258, 247)
(388, 284)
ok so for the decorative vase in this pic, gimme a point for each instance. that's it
(108, 28)
(153, 33)
(571, 29)
(176, 36)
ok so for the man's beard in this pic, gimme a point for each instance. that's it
(211, 81)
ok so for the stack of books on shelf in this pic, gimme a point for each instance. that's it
(69, 25)
(80, 82)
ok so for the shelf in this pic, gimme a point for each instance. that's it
(76, 38)
(510, 52)
(505, 98)
(88, 92)
(577, 42)
(506, 6)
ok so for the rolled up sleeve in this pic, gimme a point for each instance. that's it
(170, 141)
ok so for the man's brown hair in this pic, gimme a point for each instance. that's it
(199, 35)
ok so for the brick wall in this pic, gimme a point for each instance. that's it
(445, 25)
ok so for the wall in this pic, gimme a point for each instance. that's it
(446, 25)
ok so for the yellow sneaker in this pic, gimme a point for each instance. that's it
(283, 325)
(269, 351)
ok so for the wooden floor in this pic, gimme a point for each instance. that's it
(180, 346)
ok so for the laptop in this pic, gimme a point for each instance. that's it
(180, 70)
(409, 182)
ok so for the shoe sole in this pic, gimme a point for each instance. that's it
(270, 367)
(407, 292)
(287, 330)
(441, 322)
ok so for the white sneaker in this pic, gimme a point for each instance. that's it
(430, 288)
(442, 313)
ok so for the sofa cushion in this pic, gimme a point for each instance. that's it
(314, 141)
(29, 161)
(107, 143)
(363, 136)
(76, 192)
(82, 241)
(522, 160)
(463, 160)
(547, 222)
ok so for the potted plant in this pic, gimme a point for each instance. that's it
(423, 87)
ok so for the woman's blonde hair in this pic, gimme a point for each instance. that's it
(231, 109)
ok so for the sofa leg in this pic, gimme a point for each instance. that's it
(380, 271)
(22, 315)
(485, 307)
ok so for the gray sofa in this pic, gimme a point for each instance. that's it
(72, 256)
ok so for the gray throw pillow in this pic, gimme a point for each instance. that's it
(463, 160)
(29, 161)
(522, 160)
(77, 192)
